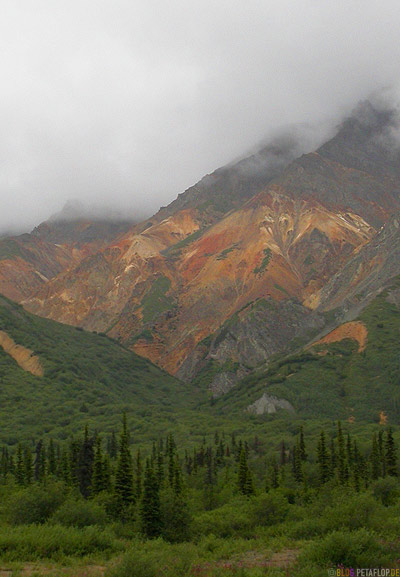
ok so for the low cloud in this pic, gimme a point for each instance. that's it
(127, 104)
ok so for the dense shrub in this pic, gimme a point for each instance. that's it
(352, 549)
(79, 513)
(156, 558)
(226, 521)
(268, 508)
(53, 542)
(386, 490)
(35, 504)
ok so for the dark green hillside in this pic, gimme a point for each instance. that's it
(336, 381)
(88, 378)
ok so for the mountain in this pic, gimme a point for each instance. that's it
(241, 267)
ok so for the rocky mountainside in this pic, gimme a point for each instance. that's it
(240, 267)
(28, 261)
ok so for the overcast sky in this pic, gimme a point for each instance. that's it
(130, 102)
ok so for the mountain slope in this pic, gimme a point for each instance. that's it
(354, 375)
(29, 261)
(86, 378)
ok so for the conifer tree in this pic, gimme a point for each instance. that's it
(150, 510)
(302, 445)
(73, 461)
(124, 474)
(333, 457)
(297, 464)
(4, 463)
(323, 460)
(390, 454)
(40, 462)
(171, 460)
(381, 449)
(349, 450)
(343, 470)
(99, 481)
(160, 467)
(139, 474)
(51, 458)
(245, 479)
(20, 466)
(85, 465)
(357, 467)
(28, 465)
(274, 473)
(283, 454)
(112, 446)
(65, 469)
(376, 464)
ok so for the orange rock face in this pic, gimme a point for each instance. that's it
(274, 246)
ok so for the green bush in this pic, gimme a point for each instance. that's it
(351, 511)
(386, 490)
(156, 558)
(226, 521)
(352, 549)
(268, 508)
(34, 504)
(79, 513)
(46, 542)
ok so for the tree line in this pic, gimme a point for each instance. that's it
(154, 487)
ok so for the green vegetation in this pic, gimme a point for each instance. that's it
(281, 288)
(264, 263)
(222, 255)
(156, 300)
(229, 493)
(175, 250)
(227, 506)
(88, 378)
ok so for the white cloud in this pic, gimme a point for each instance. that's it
(131, 102)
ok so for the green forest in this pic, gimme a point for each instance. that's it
(228, 506)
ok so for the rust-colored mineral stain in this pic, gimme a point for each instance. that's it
(355, 330)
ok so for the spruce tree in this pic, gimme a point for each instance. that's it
(20, 466)
(124, 474)
(375, 460)
(112, 446)
(297, 464)
(283, 454)
(323, 460)
(150, 509)
(139, 474)
(245, 480)
(390, 454)
(99, 481)
(40, 462)
(85, 464)
(381, 449)
(28, 466)
(302, 446)
(4, 464)
(51, 458)
(342, 464)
